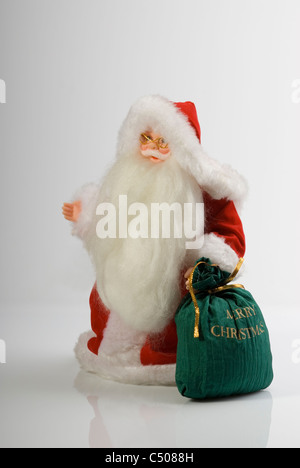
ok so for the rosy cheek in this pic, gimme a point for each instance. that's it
(164, 151)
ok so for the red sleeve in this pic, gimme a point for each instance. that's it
(222, 219)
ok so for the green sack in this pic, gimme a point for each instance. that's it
(223, 342)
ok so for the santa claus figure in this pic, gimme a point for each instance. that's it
(141, 278)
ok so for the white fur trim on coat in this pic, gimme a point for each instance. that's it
(216, 249)
(87, 195)
(114, 367)
(163, 117)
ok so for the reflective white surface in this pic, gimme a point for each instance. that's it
(46, 401)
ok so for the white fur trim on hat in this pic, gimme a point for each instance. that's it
(162, 116)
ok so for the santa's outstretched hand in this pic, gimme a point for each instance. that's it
(71, 211)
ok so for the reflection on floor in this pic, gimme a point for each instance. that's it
(129, 416)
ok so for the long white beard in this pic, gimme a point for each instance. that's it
(139, 279)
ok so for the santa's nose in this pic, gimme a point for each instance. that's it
(154, 145)
(151, 145)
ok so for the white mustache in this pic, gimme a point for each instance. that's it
(151, 153)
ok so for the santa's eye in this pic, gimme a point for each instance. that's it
(162, 143)
(144, 139)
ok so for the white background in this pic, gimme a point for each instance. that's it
(72, 69)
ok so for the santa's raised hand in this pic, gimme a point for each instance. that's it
(71, 211)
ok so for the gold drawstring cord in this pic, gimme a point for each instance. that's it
(223, 287)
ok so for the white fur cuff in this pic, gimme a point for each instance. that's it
(219, 252)
(88, 196)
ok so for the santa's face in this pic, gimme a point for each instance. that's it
(154, 147)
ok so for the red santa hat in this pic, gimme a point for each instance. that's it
(189, 109)
(178, 123)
